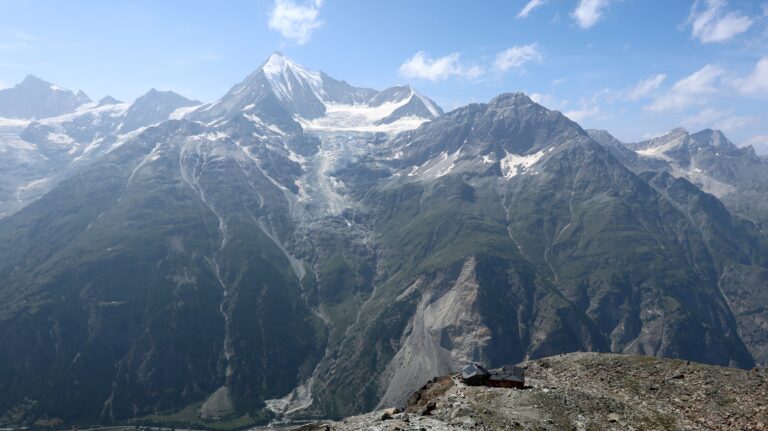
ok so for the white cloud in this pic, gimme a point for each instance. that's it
(759, 143)
(516, 56)
(688, 90)
(549, 101)
(540, 98)
(557, 82)
(706, 117)
(651, 135)
(3, 85)
(529, 7)
(589, 12)
(582, 114)
(718, 119)
(757, 81)
(543, 99)
(734, 122)
(436, 69)
(295, 21)
(711, 23)
(646, 86)
(16, 40)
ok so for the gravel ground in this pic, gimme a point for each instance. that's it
(585, 391)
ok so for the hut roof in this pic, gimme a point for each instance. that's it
(473, 370)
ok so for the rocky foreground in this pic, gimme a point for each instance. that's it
(585, 391)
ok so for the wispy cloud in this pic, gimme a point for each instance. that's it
(759, 143)
(705, 117)
(591, 107)
(529, 7)
(718, 119)
(542, 99)
(516, 56)
(646, 86)
(16, 40)
(295, 21)
(421, 66)
(757, 81)
(688, 90)
(589, 12)
(710, 22)
(582, 114)
(549, 101)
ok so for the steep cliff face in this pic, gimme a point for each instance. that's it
(445, 332)
(570, 251)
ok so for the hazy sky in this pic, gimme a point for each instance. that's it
(634, 67)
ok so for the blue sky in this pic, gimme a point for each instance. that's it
(634, 67)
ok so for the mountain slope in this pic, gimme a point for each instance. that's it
(708, 159)
(178, 284)
(511, 260)
(584, 391)
(153, 107)
(38, 154)
(283, 252)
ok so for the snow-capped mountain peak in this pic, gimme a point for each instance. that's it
(36, 98)
(286, 77)
(429, 104)
(282, 92)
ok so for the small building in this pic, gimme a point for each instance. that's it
(508, 376)
(474, 375)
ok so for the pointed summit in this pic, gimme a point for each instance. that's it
(517, 99)
(509, 124)
(153, 107)
(31, 80)
(37, 98)
(285, 93)
(292, 82)
(108, 100)
(417, 105)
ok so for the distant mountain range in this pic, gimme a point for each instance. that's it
(736, 175)
(35, 98)
(306, 248)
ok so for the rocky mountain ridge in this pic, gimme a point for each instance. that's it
(35, 98)
(303, 248)
(37, 154)
(736, 175)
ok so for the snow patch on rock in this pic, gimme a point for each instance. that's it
(513, 164)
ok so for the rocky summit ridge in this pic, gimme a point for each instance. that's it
(584, 391)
